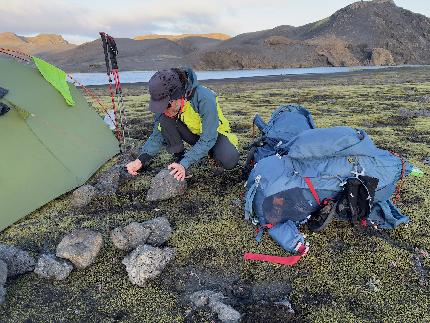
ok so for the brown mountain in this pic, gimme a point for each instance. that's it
(133, 55)
(364, 33)
(35, 45)
(217, 36)
(146, 54)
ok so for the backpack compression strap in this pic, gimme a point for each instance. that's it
(312, 189)
(289, 261)
(301, 249)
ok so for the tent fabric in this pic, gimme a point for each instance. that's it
(52, 151)
(56, 77)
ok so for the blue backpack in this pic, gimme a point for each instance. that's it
(285, 188)
(286, 122)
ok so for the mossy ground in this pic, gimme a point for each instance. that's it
(332, 284)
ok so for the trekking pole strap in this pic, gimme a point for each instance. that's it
(105, 49)
(288, 261)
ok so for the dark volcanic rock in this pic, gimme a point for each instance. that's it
(160, 229)
(3, 272)
(50, 267)
(214, 300)
(130, 236)
(108, 181)
(81, 247)
(146, 262)
(165, 186)
(2, 294)
(18, 261)
(83, 195)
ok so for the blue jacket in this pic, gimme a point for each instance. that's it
(203, 102)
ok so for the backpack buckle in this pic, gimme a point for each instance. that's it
(356, 172)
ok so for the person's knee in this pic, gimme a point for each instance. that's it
(229, 160)
(175, 149)
(225, 153)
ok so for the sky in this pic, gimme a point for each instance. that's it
(79, 21)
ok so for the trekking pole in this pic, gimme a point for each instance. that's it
(110, 51)
(123, 115)
(113, 51)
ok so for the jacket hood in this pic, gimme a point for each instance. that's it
(192, 82)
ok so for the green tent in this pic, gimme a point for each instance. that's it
(47, 147)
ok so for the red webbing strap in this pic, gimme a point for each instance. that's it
(289, 261)
(396, 193)
(312, 189)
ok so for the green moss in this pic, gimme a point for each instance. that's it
(330, 284)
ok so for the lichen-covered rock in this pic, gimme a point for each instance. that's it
(108, 181)
(165, 186)
(48, 266)
(130, 236)
(18, 261)
(2, 294)
(81, 247)
(213, 300)
(160, 229)
(3, 272)
(83, 195)
(146, 262)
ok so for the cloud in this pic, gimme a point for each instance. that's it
(82, 20)
(85, 21)
(48, 16)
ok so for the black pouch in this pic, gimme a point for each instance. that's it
(3, 92)
(3, 109)
(357, 198)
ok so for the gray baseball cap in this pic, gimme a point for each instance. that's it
(164, 86)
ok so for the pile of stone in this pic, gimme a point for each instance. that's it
(163, 186)
(147, 259)
(80, 248)
(107, 184)
(13, 262)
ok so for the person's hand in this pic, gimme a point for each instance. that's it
(133, 167)
(178, 171)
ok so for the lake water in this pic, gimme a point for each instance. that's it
(144, 76)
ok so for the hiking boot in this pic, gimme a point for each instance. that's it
(322, 218)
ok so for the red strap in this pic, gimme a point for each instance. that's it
(312, 189)
(289, 261)
(396, 194)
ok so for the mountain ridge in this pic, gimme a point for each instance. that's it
(376, 32)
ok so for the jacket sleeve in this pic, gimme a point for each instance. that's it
(207, 110)
(155, 141)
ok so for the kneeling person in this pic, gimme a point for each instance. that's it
(186, 111)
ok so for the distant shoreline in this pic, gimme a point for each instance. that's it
(280, 78)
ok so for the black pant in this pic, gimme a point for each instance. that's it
(175, 132)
